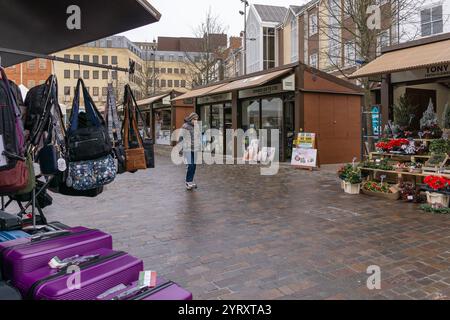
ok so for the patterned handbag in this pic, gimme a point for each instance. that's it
(91, 174)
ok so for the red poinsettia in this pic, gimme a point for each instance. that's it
(392, 144)
(437, 183)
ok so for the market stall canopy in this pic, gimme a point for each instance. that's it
(198, 92)
(41, 26)
(151, 100)
(250, 82)
(418, 57)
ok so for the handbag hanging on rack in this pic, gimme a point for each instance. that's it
(134, 157)
(114, 129)
(147, 142)
(14, 174)
(91, 164)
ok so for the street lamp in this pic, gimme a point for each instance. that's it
(153, 47)
(244, 13)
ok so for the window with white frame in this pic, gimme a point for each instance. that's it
(294, 39)
(313, 60)
(382, 41)
(431, 21)
(313, 25)
(334, 33)
(334, 53)
(349, 53)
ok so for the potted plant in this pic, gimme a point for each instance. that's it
(435, 209)
(429, 124)
(446, 120)
(353, 181)
(438, 196)
(342, 173)
(415, 167)
(381, 190)
(440, 146)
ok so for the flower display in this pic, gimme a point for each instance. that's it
(437, 183)
(377, 187)
(392, 144)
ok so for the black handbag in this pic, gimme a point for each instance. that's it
(89, 142)
(58, 185)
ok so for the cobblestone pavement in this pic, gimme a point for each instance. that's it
(291, 236)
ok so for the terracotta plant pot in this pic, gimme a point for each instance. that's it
(389, 196)
(352, 188)
(434, 198)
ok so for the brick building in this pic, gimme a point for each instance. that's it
(30, 73)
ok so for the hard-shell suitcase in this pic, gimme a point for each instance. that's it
(12, 235)
(28, 254)
(109, 269)
(164, 290)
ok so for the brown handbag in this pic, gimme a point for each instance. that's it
(15, 179)
(134, 157)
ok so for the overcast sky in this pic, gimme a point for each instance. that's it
(180, 17)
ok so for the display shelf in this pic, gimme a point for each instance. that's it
(405, 173)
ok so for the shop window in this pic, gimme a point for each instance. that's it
(431, 21)
(205, 117)
(163, 124)
(250, 115)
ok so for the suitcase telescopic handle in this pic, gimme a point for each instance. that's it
(49, 235)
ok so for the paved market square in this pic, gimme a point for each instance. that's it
(295, 235)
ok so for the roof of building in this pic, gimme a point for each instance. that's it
(271, 13)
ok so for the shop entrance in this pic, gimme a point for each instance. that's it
(162, 124)
(271, 113)
(216, 116)
(420, 98)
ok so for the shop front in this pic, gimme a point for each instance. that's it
(277, 99)
(163, 116)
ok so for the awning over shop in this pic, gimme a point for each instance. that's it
(250, 82)
(407, 59)
(151, 100)
(199, 92)
(41, 26)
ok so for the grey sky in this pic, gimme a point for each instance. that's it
(180, 17)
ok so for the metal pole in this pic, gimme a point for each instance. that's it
(245, 38)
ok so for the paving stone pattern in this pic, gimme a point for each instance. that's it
(295, 235)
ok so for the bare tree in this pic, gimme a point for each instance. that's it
(355, 32)
(149, 79)
(202, 65)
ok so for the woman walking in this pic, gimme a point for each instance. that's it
(191, 148)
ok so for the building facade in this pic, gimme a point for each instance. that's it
(261, 37)
(30, 73)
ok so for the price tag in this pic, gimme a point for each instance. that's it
(147, 279)
(62, 165)
(410, 198)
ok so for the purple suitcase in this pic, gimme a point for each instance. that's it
(164, 290)
(26, 255)
(110, 269)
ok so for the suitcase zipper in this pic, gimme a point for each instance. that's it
(152, 291)
(63, 272)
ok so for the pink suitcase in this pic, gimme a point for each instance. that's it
(28, 254)
(164, 290)
(108, 270)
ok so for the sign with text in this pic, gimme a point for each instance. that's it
(437, 71)
(306, 140)
(304, 157)
(261, 91)
(214, 98)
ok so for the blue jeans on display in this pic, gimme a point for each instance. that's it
(191, 166)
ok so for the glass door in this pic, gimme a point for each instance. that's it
(228, 118)
(218, 122)
(272, 119)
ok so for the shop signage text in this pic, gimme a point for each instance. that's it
(289, 83)
(214, 98)
(438, 71)
(261, 91)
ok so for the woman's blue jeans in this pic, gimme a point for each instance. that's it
(191, 165)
